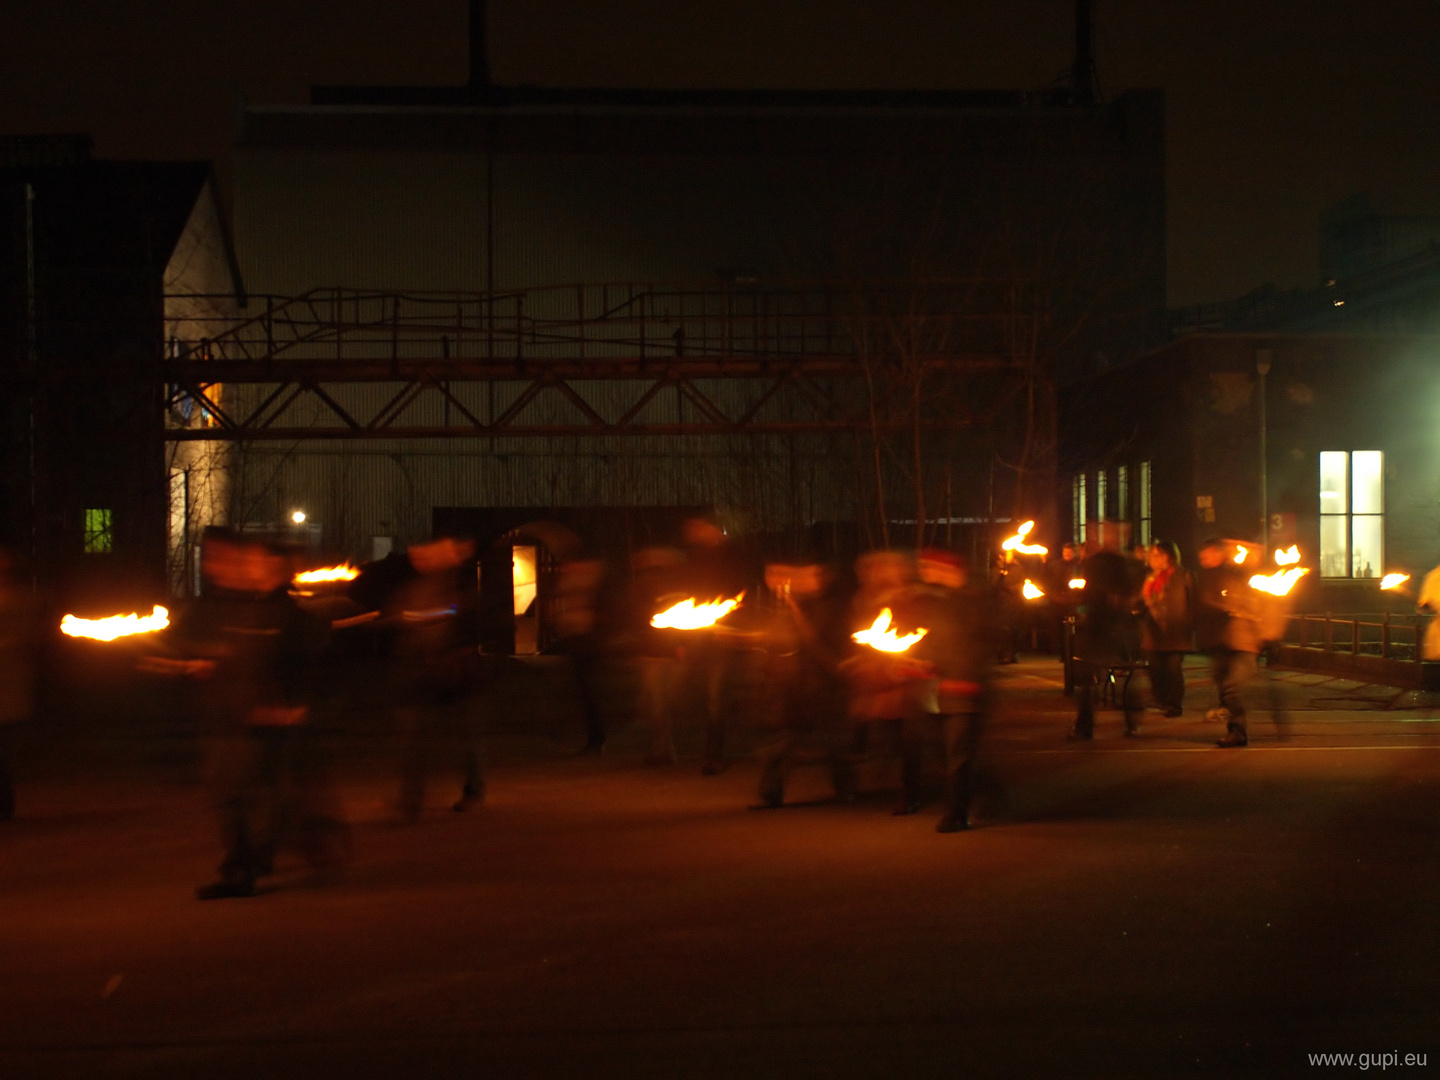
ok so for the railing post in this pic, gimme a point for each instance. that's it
(641, 307)
(1355, 636)
(519, 328)
(395, 335)
(1385, 637)
(1329, 634)
(580, 317)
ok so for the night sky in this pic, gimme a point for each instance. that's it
(1276, 108)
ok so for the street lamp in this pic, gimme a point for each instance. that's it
(298, 517)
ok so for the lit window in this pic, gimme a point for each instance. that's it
(1352, 513)
(1078, 507)
(1102, 493)
(1146, 514)
(99, 535)
(1122, 492)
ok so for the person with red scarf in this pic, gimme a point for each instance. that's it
(1168, 626)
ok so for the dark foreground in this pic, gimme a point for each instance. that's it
(1133, 908)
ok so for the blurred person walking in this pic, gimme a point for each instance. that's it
(809, 639)
(1105, 637)
(254, 651)
(879, 681)
(1427, 602)
(954, 695)
(435, 668)
(1167, 625)
(655, 584)
(577, 633)
(713, 571)
(1227, 627)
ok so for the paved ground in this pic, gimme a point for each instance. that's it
(1131, 908)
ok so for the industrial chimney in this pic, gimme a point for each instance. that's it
(479, 62)
(1084, 81)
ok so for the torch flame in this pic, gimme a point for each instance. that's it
(1289, 557)
(327, 573)
(688, 615)
(116, 626)
(1077, 583)
(1017, 542)
(1279, 583)
(1393, 581)
(1030, 590)
(881, 636)
(1241, 553)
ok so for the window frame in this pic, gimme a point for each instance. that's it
(97, 531)
(1349, 517)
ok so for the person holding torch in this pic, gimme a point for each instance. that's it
(953, 694)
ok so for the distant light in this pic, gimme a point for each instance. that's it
(298, 517)
(1339, 303)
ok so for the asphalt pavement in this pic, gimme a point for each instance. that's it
(1145, 907)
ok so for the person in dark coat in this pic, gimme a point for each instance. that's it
(1105, 637)
(1006, 586)
(427, 604)
(1167, 633)
(1227, 627)
(1060, 598)
(655, 584)
(254, 652)
(879, 681)
(714, 570)
(577, 632)
(954, 695)
(808, 639)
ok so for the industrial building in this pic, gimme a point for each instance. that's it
(94, 254)
(1304, 415)
(782, 305)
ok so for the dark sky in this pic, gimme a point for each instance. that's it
(1275, 107)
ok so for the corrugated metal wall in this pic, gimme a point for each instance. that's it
(353, 198)
(353, 492)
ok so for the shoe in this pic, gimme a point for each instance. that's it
(952, 823)
(1220, 715)
(1080, 736)
(1132, 732)
(465, 802)
(904, 808)
(1233, 739)
(1174, 711)
(770, 799)
(225, 890)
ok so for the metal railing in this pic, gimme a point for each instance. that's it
(1379, 634)
(950, 317)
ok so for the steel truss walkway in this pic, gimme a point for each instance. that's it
(589, 360)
